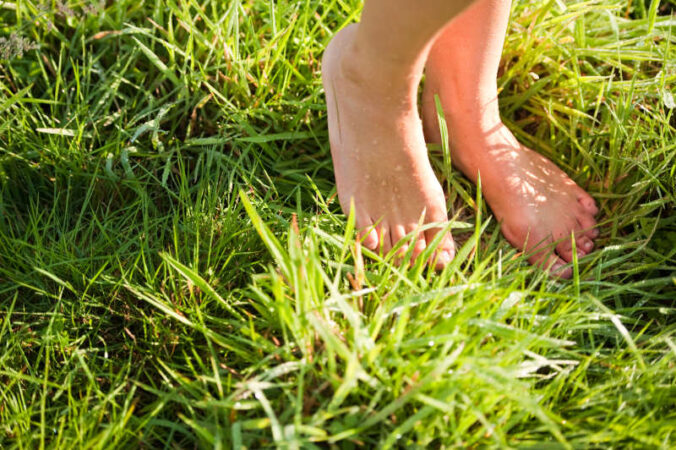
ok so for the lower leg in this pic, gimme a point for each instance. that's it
(463, 67)
(392, 41)
(539, 205)
(371, 73)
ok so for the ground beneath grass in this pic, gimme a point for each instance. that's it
(175, 271)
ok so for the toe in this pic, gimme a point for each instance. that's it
(419, 246)
(401, 258)
(443, 258)
(588, 203)
(567, 255)
(564, 248)
(584, 244)
(557, 267)
(369, 237)
(544, 256)
(588, 226)
(551, 263)
(419, 243)
(367, 234)
(398, 233)
(445, 251)
(384, 237)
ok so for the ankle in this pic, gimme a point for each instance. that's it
(474, 117)
(467, 108)
(382, 79)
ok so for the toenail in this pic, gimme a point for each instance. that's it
(587, 245)
(445, 257)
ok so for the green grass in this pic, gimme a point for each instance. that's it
(175, 271)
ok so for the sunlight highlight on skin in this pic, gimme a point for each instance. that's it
(371, 84)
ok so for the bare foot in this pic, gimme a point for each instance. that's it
(538, 204)
(379, 152)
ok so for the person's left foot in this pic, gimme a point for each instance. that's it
(538, 204)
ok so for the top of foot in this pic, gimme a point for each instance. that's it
(380, 156)
(538, 205)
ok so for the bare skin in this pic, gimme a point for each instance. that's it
(378, 147)
(371, 75)
(386, 174)
(538, 204)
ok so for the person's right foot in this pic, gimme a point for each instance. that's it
(379, 152)
(538, 205)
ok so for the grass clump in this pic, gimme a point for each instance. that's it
(175, 272)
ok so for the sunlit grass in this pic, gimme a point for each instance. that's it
(175, 270)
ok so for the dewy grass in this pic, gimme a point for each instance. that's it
(175, 272)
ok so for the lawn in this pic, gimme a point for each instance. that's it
(175, 271)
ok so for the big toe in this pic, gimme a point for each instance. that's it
(553, 264)
(588, 203)
(558, 268)
(445, 252)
